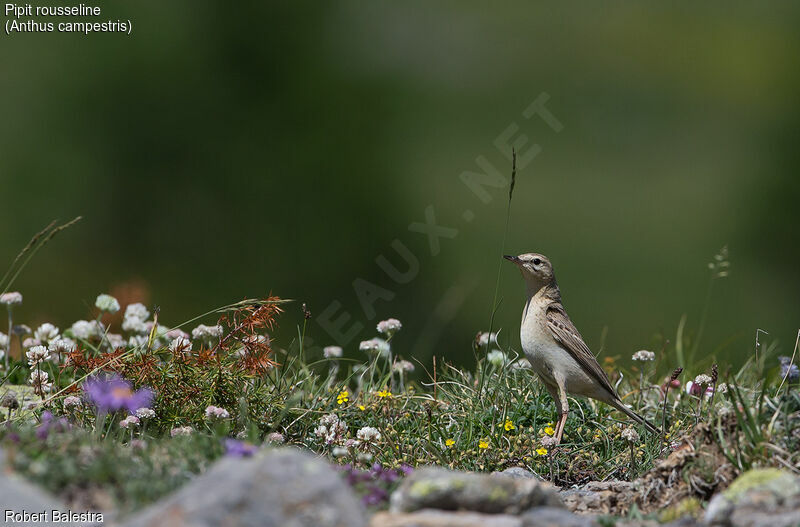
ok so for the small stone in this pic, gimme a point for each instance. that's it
(278, 487)
(555, 517)
(601, 497)
(438, 488)
(517, 473)
(437, 518)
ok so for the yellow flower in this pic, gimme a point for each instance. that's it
(450, 442)
(343, 397)
(483, 444)
(362, 407)
(542, 451)
(549, 430)
(509, 425)
(384, 393)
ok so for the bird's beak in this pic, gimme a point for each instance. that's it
(512, 259)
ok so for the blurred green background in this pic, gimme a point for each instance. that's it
(228, 150)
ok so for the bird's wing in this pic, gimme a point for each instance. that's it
(566, 334)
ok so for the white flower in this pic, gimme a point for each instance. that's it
(339, 451)
(375, 345)
(368, 434)
(389, 327)
(37, 355)
(180, 344)
(62, 345)
(702, 379)
(72, 401)
(403, 366)
(548, 441)
(40, 382)
(631, 435)
(129, 422)
(138, 341)
(181, 431)
(145, 413)
(521, 364)
(85, 330)
(331, 429)
(722, 388)
(215, 412)
(106, 303)
(331, 352)
(275, 437)
(644, 355)
(175, 333)
(30, 342)
(369, 345)
(134, 325)
(364, 457)
(136, 311)
(203, 331)
(485, 338)
(11, 299)
(496, 358)
(116, 340)
(3, 340)
(46, 332)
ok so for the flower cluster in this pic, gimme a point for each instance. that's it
(136, 315)
(484, 339)
(331, 429)
(207, 332)
(40, 380)
(368, 434)
(36, 355)
(375, 345)
(332, 352)
(496, 358)
(389, 327)
(129, 422)
(215, 412)
(181, 431)
(644, 355)
(11, 299)
(107, 303)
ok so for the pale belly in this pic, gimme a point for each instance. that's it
(552, 364)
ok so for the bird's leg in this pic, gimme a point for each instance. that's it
(563, 411)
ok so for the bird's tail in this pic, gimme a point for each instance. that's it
(619, 405)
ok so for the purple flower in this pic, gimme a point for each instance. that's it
(789, 370)
(375, 496)
(113, 393)
(50, 423)
(236, 448)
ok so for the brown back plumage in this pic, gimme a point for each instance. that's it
(566, 334)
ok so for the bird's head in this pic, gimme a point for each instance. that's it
(536, 268)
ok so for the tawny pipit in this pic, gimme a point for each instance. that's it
(555, 348)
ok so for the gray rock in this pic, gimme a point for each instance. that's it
(600, 497)
(517, 473)
(438, 488)
(555, 517)
(19, 498)
(757, 497)
(276, 488)
(437, 518)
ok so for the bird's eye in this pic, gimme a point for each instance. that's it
(536, 261)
